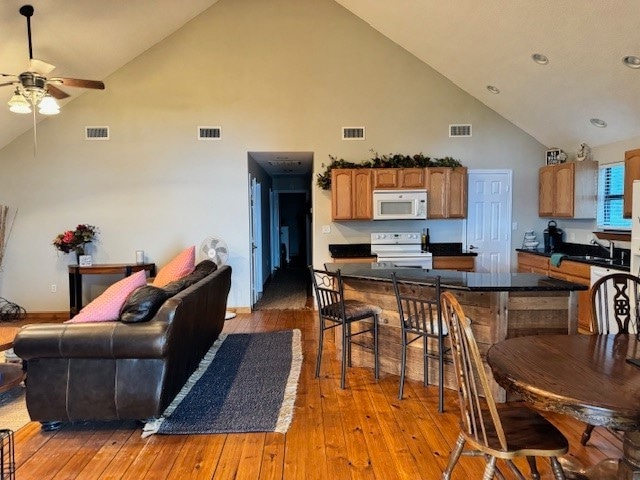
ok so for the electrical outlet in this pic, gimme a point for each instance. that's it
(326, 228)
(54, 288)
(514, 226)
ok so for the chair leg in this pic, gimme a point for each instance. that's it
(348, 327)
(558, 473)
(535, 475)
(346, 341)
(440, 374)
(320, 346)
(454, 457)
(403, 364)
(490, 469)
(586, 435)
(515, 469)
(376, 364)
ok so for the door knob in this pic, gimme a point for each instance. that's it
(471, 247)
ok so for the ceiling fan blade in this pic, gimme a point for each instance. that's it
(7, 83)
(77, 82)
(55, 92)
(40, 66)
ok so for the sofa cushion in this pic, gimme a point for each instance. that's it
(203, 269)
(181, 265)
(107, 306)
(142, 304)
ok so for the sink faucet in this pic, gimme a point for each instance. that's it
(609, 248)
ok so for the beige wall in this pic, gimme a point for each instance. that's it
(276, 75)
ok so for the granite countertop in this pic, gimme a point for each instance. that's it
(454, 280)
(357, 250)
(588, 254)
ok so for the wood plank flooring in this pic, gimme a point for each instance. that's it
(362, 432)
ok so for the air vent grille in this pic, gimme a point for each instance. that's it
(460, 130)
(209, 133)
(352, 133)
(96, 133)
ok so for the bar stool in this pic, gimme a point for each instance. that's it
(421, 318)
(335, 311)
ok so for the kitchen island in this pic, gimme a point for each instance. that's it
(500, 306)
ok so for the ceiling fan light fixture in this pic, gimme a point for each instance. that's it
(48, 106)
(19, 104)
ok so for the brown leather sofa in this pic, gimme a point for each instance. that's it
(121, 371)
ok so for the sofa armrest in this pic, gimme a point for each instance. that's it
(97, 340)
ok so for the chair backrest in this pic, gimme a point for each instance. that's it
(479, 416)
(328, 288)
(419, 314)
(614, 304)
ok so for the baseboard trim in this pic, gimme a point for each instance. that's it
(44, 317)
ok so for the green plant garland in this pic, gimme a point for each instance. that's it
(393, 160)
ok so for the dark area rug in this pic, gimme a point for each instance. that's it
(246, 383)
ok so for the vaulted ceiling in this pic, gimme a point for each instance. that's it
(474, 44)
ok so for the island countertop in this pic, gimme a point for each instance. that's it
(454, 280)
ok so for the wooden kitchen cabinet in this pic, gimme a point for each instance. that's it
(392, 178)
(579, 273)
(531, 263)
(462, 263)
(447, 192)
(568, 190)
(575, 272)
(631, 173)
(351, 194)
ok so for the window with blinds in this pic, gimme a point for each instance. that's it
(610, 198)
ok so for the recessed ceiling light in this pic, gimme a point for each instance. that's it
(492, 89)
(631, 61)
(540, 58)
(596, 122)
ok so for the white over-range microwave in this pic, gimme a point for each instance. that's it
(399, 204)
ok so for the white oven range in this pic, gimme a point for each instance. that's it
(400, 250)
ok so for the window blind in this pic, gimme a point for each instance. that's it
(611, 198)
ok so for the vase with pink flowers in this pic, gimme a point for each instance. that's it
(75, 240)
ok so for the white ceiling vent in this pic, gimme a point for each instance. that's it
(209, 133)
(96, 133)
(460, 130)
(352, 133)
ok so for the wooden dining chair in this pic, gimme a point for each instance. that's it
(504, 431)
(421, 319)
(334, 311)
(615, 303)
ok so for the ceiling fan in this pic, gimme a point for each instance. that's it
(33, 88)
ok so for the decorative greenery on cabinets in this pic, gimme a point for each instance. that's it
(393, 160)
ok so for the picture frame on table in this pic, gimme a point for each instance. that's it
(85, 260)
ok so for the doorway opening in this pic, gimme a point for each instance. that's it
(281, 233)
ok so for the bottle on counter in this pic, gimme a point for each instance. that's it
(424, 240)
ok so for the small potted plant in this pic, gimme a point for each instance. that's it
(76, 240)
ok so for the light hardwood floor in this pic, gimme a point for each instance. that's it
(363, 431)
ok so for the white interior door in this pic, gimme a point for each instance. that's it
(256, 240)
(489, 219)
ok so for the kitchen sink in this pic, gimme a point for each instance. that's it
(594, 259)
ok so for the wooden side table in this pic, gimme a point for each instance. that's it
(76, 272)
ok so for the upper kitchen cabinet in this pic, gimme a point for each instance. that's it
(568, 190)
(447, 192)
(351, 194)
(391, 178)
(631, 173)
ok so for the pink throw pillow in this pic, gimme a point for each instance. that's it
(181, 265)
(107, 306)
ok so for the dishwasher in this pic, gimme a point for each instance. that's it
(596, 274)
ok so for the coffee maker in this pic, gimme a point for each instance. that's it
(552, 238)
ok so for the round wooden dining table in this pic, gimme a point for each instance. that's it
(585, 376)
